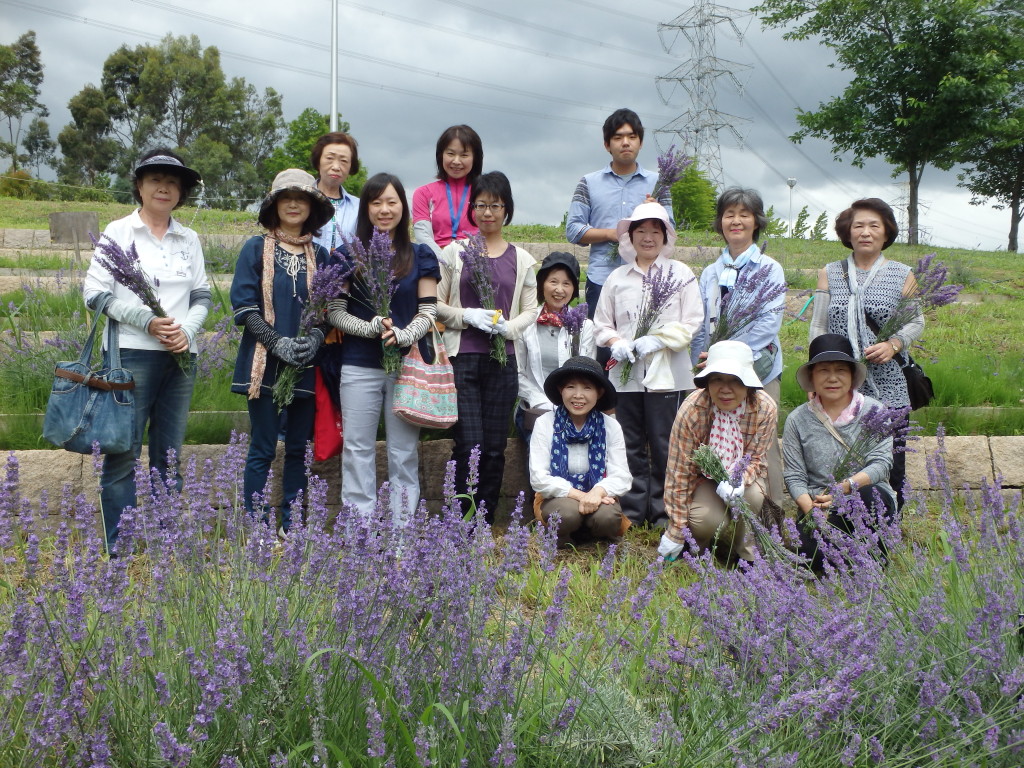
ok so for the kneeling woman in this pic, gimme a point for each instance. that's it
(732, 414)
(818, 433)
(578, 456)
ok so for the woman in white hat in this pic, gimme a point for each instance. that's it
(661, 370)
(819, 432)
(732, 414)
(172, 256)
(268, 292)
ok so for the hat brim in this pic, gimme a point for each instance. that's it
(190, 176)
(321, 209)
(745, 373)
(803, 373)
(556, 380)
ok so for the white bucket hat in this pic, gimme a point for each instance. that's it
(643, 212)
(732, 358)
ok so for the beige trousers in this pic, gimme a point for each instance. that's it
(604, 523)
(710, 522)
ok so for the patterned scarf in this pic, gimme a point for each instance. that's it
(270, 242)
(857, 330)
(726, 438)
(564, 433)
(547, 317)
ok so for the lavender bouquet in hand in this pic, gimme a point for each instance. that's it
(658, 288)
(671, 166)
(481, 277)
(375, 268)
(324, 285)
(711, 467)
(573, 319)
(124, 267)
(931, 291)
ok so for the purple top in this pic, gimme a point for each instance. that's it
(504, 270)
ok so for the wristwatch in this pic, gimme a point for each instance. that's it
(895, 347)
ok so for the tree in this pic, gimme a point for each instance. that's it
(693, 200)
(818, 230)
(39, 147)
(174, 94)
(926, 75)
(21, 74)
(800, 225)
(303, 132)
(776, 227)
(995, 165)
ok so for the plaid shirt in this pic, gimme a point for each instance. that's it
(691, 429)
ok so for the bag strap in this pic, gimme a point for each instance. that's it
(830, 427)
(86, 357)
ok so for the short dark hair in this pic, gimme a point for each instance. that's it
(335, 137)
(845, 220)
(749, 199)
(372, 189)
(619, 118)
(469, 138)
(270, 221)
(187, 186)
(633, 225)
(496, 184)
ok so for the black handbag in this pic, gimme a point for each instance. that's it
(919, 386)
(89, 406)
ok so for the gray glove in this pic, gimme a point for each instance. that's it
(291, 350)
(316, 339)
(479, 318)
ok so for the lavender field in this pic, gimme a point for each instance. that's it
(355, 644)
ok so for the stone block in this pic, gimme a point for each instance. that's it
(74, 227)
(51, 471)
(1008, 457)
(968, 459)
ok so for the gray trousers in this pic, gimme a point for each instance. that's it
(604, 523)
(646, 419)
(776, 485)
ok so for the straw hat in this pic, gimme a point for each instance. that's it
(321, 210)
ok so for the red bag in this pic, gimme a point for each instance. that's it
(327, 438)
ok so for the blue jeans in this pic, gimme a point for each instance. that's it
(163, 393)
(264, 424)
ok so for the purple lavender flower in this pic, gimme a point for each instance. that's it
(753, 297)
(876, 425)
(573, 319)
(374, 266)
(481, 277)
(124, 267)
(930, 292)
(658, 288)
(671, 165)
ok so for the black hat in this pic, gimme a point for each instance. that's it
(190, 176)
(826, 348)
(580, 367)
(560, 260)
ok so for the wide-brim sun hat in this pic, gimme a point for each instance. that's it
(174, 165)
(731, 358)
(321, 210)
(580, 367)
(827, 348)
(560, 260)
(643, 212)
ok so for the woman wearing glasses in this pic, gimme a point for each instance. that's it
(487, 388)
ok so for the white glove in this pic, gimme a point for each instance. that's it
(622, 350)
(727, 492)
(668, 549)
(479, 318)
(647, 345)
(501, 327)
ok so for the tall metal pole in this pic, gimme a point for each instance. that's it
(792, 183)
(334, 66)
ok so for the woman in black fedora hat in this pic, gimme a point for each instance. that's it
(578, 465)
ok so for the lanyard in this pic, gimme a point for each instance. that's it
(456, 217)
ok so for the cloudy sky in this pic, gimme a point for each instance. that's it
(535, 78)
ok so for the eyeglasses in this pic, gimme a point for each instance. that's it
(481, 207)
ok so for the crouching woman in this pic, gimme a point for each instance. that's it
(578, 463)
(730, 413)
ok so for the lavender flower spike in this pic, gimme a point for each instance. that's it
(671, 166)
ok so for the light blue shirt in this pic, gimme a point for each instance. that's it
(342, 225)
(757, 335)
(601, 200)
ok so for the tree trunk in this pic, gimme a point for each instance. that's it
(914, 171)
(1015, 215)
